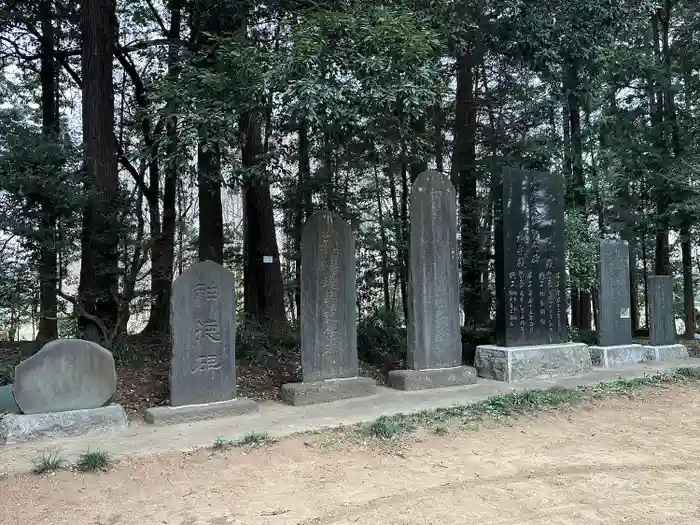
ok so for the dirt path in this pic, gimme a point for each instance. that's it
(631, 462)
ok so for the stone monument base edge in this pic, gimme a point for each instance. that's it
(666, 352)
(187, 413)
(410, 380)
(617, 355)
(520, 363)
(325, 391)
(24, 428)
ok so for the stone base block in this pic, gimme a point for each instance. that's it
(432, 378)
(518, 363)
(618, 355)
(666, 352)
(21, 428)
(7, 400)
(188, 413)
(310, 392)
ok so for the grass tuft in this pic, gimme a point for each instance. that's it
(47, 462)
(221, 443)
(504, 407)
(386, 427)
(93, 461)
(255, 439)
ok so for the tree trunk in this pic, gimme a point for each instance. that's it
(48, 258)
(98, 288)
(399, 227)
(303, 209)
(163, 250)
(688, 292)
(464, 177)
(264, 287)
(383, 254)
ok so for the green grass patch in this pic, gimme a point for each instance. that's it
(47, 462)
(93, 461)
(505, 407)
(255, 439)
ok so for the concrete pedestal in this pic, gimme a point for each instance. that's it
(187, 413)
(21, 428)
(311, 392)
(618, 355)
(519, 363)
(432, 378)
(666, 352)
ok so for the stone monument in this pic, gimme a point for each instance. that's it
(329, 363)
(663, 345)
(434, 354)
(615, 346)
(63, 390)
(531, 331)
(203, 364)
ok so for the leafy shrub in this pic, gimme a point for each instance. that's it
(7, 371)
(256, 344)
(576, 335)
(381, 339)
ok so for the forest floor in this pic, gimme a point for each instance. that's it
(143, 382)
(626, 459)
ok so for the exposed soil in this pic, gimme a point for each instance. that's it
(619, 461)
(143, 383)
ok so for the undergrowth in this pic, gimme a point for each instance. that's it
(255, 439)
(507, 406)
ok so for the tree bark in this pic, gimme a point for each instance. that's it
(48, 258)
(98, 288)
(163, 249)
(464, 177)
(264, 287)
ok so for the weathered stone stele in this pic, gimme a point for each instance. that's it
(66, 374)
(329, 363)
(203, 325)
(615, 346)
(434, 339)
(615, 319)
(662, 327)
(328, 299)
(434, 355)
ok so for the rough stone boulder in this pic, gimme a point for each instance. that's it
(66, 374)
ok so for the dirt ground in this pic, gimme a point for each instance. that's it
(619, 461)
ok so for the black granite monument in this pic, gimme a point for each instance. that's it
(530, 264)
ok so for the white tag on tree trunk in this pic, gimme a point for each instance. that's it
(268, 259)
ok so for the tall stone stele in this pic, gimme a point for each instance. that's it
(531, 331)
(663, 345)
(615, 346)
(203, 363)
(329, 363)
(434, 356)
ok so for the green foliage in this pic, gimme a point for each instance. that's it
(257, 343)
(503, 408)
(581, 252)
(48, 462)
(7, 371)
(254, 439)
(92, 461)
(381, 339)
